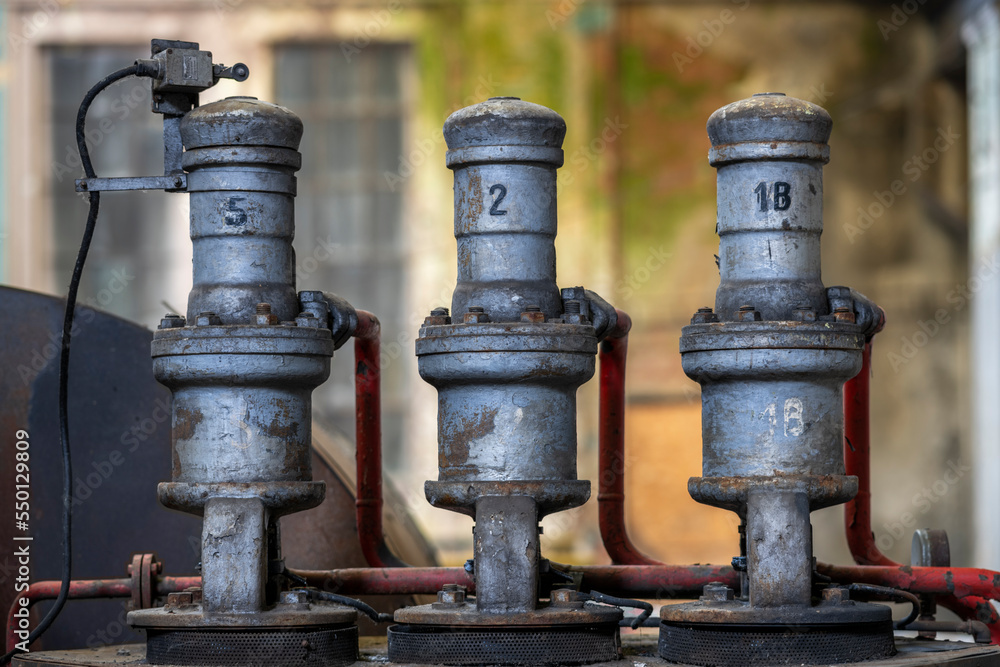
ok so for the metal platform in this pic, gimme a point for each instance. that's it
(639, 651)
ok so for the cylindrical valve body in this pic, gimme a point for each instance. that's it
(505, 153)
(769, 151)
(241, 155)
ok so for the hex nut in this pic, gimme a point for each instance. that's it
(265, 316)
(704, 316)
(562, 595)
(307, 319)
(836, 594)
(476, 315)
(533, 314)
(804, 313)
(844, 314)
(171, 321)
(207, 318)
(748, 314)
(438, 317)
(716, 592)
(451, 595)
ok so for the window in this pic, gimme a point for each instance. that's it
(349, 236)
(131, 265)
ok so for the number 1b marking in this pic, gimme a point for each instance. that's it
(782, 196)
(794, 424)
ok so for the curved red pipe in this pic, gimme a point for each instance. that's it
(965, 591)
(368, 424)
(87, 589)
(611, 438)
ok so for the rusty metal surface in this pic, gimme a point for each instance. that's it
(550, 496)
(466, 614)
(284, 615)
(119, 416)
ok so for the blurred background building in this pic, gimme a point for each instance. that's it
(911, 208)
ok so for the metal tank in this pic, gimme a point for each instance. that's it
(772, 359)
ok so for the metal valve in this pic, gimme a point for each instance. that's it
(507, 364)
(772, 361)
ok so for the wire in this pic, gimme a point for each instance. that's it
(647, 609)
(367, 610)
(67, 335)
(892, 593)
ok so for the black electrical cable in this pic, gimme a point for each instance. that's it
(647, 609)
(67, 334)
(893, 594)
(365, 609)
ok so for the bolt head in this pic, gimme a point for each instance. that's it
(748, 314)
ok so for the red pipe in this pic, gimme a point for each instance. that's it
(857, 462)
(965, 591)
(652, 581)
(86, 589)
(368, 421)
(611, 428)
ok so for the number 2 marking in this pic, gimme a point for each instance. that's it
(495, 209)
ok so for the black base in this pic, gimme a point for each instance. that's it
(759, 645)
(321, 646)
(504, 645)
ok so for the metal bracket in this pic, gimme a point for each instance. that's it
(175, 183)
(180, 71)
